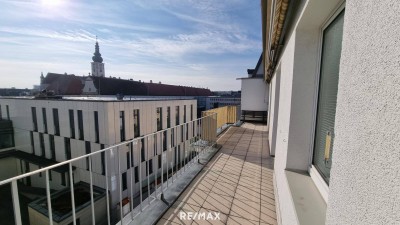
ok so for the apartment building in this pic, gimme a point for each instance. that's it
(54, 130)
(332, 67)
(221, 101)
(255, 94)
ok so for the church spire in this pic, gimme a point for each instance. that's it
(97, 64)
(97, 56)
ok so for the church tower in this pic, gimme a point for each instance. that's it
(97, 64)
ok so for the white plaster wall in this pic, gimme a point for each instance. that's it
(286, 207)
(365, 178)
(260, 68)
(302, 100)
(296, 111)
(274, 110)
(254, 95)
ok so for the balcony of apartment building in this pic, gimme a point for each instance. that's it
(217, 170)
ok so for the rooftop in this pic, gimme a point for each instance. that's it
(104, 98)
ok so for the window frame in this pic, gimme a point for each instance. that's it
(315, 175)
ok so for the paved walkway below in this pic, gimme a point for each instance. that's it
(236, 183)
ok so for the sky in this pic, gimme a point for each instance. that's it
(206, 43)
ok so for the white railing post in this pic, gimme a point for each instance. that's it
(107, 188)
(15, 198)
(140, 173)
(166, 155)
(132, 166)
(147, 159)
(49, 198)
(162, 165)
(155, 168)
(120, 184)
(91, 190)
(71, 180)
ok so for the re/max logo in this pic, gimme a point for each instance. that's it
(199, 215)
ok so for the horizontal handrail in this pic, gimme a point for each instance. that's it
(9, 180)
(191, 145)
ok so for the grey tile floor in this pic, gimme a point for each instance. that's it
(236, 183)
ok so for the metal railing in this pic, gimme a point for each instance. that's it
(151, 167)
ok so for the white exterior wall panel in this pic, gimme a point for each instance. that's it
(365, 179)
(254, 94)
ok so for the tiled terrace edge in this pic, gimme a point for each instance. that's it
(154, 212)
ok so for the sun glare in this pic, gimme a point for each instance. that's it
(51, 2)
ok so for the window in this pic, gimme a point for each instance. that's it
(327, 96)
(159, 161)
(52, 147)
(184, 113)
(71, 123)
(122, 125)
(124, 182)
(96, 127)
(87, 151)
(165, 141)
(150, 166)
(42, 149)
(194, 129)
(56, 122)
(80, 125)
(142, 153)
(173, 137)
(191, 112)
(132, 162)
(128, 160)
(182, 132)
(8, 112)
(67, 147)
(103, 160)
(155, 145)
(136, 174)
(32, 142)
(44, 119)
(168, 117)
(1, 115)
(159, 118)
(136, 123)
(34, 119)
(176, 115)
(187, 131)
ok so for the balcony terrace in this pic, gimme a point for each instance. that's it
(229, 175)
(236, 183)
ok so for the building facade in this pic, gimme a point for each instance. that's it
(254, 94)
(49, 130)
(332, 67)
(221, 101)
